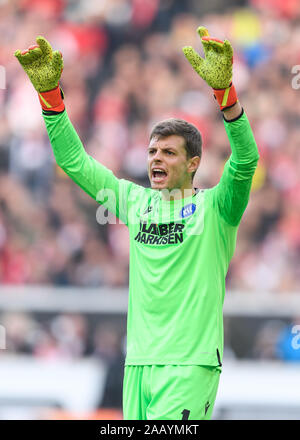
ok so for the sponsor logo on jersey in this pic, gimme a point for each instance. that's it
(166, 233)
(147, 210)
(187, 210)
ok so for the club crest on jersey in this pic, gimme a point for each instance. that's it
(187, 210)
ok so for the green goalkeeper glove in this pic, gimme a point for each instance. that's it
(215, 68)
(44, 68)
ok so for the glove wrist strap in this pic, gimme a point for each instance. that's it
(226, 97)
(52, 100)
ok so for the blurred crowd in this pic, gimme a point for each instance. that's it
(69, 337)
(123, 71)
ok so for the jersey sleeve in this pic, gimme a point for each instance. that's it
(231, 195)
(94, 178)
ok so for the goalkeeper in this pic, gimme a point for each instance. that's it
(181, 238)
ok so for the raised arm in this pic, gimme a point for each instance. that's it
(231, 195)
(44, 68)
(93, 177)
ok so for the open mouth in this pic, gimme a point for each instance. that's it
(158, 175)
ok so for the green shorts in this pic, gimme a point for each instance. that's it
(169, 392)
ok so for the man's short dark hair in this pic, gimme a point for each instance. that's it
(179, 127)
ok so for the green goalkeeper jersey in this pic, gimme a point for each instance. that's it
(179, 250)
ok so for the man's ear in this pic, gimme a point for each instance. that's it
(194, 164)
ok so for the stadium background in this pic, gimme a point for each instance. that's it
(64, 277)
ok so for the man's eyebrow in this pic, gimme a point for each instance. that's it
(167, 147)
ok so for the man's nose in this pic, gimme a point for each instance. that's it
(157, 155)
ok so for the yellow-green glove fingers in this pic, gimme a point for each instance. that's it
(193, 58)
(215, 68)
(18, 55)
(28, 56)
(228, 49)
(57, 61)
(202, 31)
(44, 46)
(218, 47)
(212, 46)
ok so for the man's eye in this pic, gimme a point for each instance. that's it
(170, 152)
